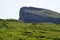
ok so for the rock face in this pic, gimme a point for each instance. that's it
(31, 14)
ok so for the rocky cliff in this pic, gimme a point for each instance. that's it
(31, 14)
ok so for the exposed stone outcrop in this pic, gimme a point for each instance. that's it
(31, 14)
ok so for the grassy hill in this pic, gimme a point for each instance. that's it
(18, 30)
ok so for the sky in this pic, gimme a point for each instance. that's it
(9, 9)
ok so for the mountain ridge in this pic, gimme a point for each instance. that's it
(38, 11)
(32, 14)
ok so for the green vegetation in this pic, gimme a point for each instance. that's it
(18, 30)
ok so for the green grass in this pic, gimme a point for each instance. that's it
(18, 30)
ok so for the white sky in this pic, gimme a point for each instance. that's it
(10, 8)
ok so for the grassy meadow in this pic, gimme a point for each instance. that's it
(18, 30)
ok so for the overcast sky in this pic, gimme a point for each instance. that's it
(9, 9)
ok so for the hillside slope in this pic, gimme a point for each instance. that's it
(18, 30)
